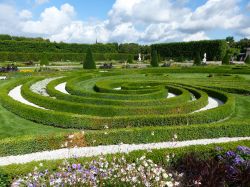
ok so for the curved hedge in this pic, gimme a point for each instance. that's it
(67, 114)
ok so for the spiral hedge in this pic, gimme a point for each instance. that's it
(98, 101)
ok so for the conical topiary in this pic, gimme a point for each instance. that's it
(226, 59)
(130, 59)
(197, 59)
(44, 60)
(154, 59)
(247, 60)
(89, 62)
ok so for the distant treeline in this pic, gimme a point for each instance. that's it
(13, 48)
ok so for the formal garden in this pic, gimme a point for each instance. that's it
(121, 125)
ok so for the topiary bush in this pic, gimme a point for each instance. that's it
(197, 59)
(89, 62)
(247, 61)
(154, 59)
(44, 60)
(226, 59)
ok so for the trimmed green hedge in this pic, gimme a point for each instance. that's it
(55, 57)
(182, 96)
(69, 120)
(213, 48)
(40, 47)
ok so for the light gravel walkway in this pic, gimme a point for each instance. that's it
(170, 95)
(62, 88)
(212, 103)
(109, 149)
(40, 86)
(16, 95)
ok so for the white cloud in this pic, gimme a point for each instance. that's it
(25, 14)
(52, 20)
(40, 2)
(196, 37)
(143, 21)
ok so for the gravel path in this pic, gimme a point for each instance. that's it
(170, 95)
(212, 103)
(16, 95)
(109, 149)
(62, 88)
(40, 86)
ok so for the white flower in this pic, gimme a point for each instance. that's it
(175, 136)
(152, 133)
(106, 127)
(169, 184)
(71, 136)
(41, 164)
(165, 175)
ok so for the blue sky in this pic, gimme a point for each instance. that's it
(143, 21)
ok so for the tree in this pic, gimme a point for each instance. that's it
(230, 40)
(226, 59)
(197, 59)
(89, 62)
(154, 59)
(247, 60)
(130, 59)
(44, 60)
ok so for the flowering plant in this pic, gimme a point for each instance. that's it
(101, 172)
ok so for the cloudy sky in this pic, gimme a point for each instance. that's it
(141, 21)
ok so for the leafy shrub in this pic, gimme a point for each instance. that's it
(226, 59)
(44, 60)
(197, 60)
(89, 62)
(247, 61)
(230, 168)
(5, 180)
(213, 48)
(154, 59)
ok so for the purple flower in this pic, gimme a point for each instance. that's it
(243, 149)
(79, 166)
(238, 160)
(230, 154)
(74, 166)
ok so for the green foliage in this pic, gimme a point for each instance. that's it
(44, 60)
(213, 48)
(130, 60)
(247, 61)
(131, 48)
(89, 62)
(154, 59)
(56, 57)
(226, 59)
(49, 47)
(197, 59)
(5, 180)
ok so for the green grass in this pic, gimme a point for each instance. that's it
(12, 125)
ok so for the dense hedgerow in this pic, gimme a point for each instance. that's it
(57, 57)
(40, 47)
(213, 49)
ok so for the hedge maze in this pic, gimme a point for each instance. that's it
(129, 106)
(95, 101)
